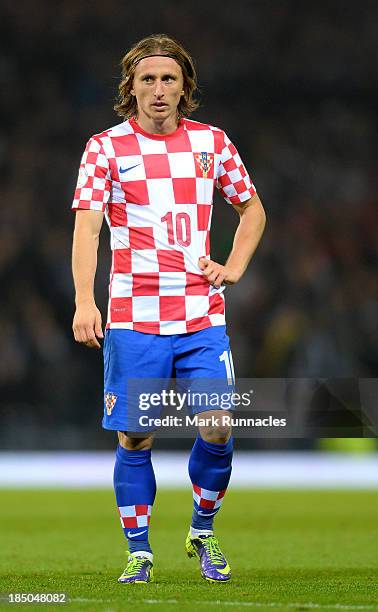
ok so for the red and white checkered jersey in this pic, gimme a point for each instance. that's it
(157, 194)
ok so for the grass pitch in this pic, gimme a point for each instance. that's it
(288, 550)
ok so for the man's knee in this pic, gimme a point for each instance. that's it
(217, 431)
(130, 441)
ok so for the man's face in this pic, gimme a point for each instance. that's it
(158, 87)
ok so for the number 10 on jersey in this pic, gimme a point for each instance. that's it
(178, 228)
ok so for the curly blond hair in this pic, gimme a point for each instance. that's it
(156, 44)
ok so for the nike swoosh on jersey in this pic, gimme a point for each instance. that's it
(122, 170)
(133, 535)
(206, 513)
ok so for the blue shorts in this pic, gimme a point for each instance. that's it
(148, 360)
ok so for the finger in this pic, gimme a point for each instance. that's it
(90, 339)
(219, 281)
(89, 344)
(75, 332)
(213, 276)
(89, 335)
(79, 331)
(83, 335)
(209, 270)
(93, 343)
(98, 329)
(80, 335)
(203, 262)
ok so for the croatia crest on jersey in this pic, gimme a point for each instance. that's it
(110, 400)
(205, 161)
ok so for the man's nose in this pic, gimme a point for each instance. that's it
(158, 88)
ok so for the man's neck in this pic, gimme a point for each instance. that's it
(149, 125)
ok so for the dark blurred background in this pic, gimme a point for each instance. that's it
(293, 86)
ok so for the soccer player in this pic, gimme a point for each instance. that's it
(153, 177)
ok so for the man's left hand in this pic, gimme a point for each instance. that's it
(217, 274)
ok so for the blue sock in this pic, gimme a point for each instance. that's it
(135, 490)
(210, 471)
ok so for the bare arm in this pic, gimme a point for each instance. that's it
(87, 320)
(246, 239)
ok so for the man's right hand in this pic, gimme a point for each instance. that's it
(87, 324)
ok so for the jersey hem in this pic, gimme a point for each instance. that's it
(194, 328)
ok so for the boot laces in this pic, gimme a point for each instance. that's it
(134, 565)
(212, 548)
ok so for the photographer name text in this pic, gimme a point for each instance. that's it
(213, 421)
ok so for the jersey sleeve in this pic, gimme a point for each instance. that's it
(93, 184)
(233, 181)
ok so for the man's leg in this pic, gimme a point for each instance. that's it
(210, 467)
(203, 362)
(210, 471)
(135, 489)
(133, 361)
